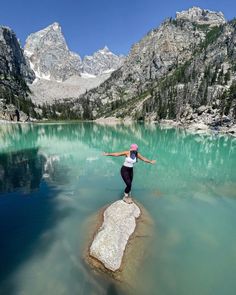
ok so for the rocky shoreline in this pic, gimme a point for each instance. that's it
(201, 127)
(227, 127)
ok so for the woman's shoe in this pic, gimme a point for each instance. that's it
(127, 199)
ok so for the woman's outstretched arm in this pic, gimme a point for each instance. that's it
(145, 159)
(116, 154)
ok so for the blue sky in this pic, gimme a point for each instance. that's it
(90, 25)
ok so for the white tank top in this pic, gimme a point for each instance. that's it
(129, 162)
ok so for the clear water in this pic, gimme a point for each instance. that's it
(52, 177)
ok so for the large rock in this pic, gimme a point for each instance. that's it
(199, 126)
(119, 238)
(119, 223)
(9, 113)
(201, 109)
(232, 130)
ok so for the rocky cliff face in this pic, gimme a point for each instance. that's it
(12, 60)
(14, 73)
(49, 55)
(102, 61)
(187, 62)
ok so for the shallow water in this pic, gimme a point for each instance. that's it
(53, 177)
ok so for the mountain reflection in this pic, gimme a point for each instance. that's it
(197, 154)
(24, 170)
(20, 170)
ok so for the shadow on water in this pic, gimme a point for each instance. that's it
(111, 290)
(28, 213)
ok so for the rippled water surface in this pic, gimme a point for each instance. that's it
(53, 177)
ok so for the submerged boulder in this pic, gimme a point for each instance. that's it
(112, 237)
(120, 235)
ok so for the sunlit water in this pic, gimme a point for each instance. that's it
(53, 177)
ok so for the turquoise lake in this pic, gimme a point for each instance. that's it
(53, 177)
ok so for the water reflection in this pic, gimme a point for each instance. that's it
(20, 170)
(24, 170)
(195, 155)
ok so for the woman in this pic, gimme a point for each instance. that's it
(126, 171)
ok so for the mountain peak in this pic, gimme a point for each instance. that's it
(105, 49)
(202, 16)
(55, 26)
(102, 61)
(49, 55)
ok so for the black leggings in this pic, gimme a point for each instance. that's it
(127, 175)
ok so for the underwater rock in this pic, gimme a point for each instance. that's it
(119, 241)
(118, 225)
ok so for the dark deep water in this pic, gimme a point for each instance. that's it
(53, 176)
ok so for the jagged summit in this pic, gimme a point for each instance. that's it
(105, 50)
(102, 61)
(49, 55)
(202, 16)
(55, 26)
